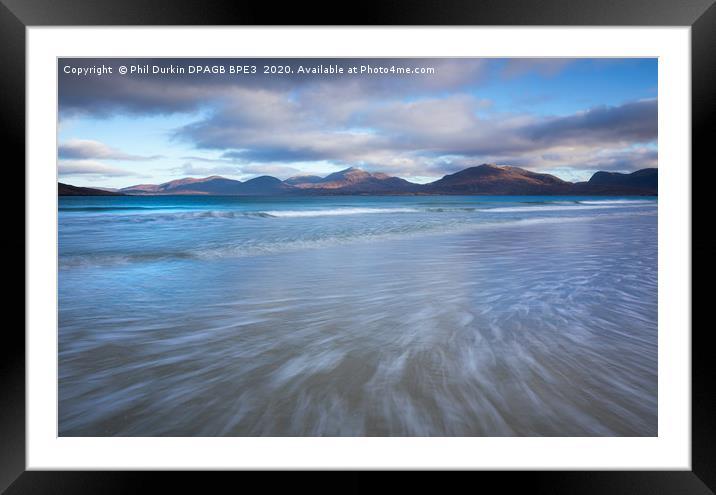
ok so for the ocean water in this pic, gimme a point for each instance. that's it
(388, 316)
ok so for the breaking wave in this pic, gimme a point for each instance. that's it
(336, 212)
(303, 241)
(595, 205)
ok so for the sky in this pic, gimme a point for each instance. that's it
(203, 117)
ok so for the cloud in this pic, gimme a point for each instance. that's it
(82, 149)
(89, 167)
(618, 160)
(409, 126)
(107, 96)
(419, 137)
(150, 94)
(547, 67)
(630, 122)
(279, 171)
(190, 169)
(276, 170)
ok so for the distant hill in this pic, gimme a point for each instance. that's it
(68, 190)
(354, 181)
(264, 186)
(641, 182)
(214, 185)
(208, 185)
(494, 179)
(487, 179)
(301, 180)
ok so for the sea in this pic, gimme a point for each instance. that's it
(357, 316)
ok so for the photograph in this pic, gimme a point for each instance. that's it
(357, 247)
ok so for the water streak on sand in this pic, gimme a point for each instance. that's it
(435, 318)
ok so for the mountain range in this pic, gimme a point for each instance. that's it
(485, 179)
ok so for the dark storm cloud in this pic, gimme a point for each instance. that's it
(627, 160)
(631, 122)
(166, 93)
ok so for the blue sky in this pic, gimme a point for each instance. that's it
(569, 117)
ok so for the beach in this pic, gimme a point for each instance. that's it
(358, 316)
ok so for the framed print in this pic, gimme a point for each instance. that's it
(454, 239)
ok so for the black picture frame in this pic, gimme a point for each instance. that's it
(700, 15)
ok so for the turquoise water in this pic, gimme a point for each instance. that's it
(419, 315)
